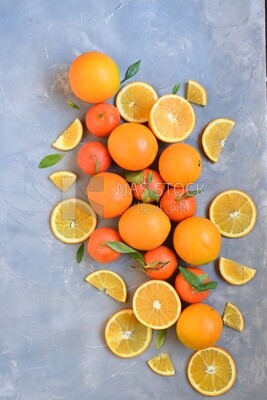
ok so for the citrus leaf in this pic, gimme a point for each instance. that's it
(176, 88)
(190, 277)
(153, 195)
(80, 253)
(160, 338)
(150, 267)
(73, 105)
(202, 277)
(123, 248)
(134, 176)
(150, 177)
(131, 71)
(190, 193)
(50, 160)
(206, 286)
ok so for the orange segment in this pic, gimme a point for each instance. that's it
(126, 336)
(162, 364)
(196, 93)
(211, 371)
(135, 100)
(63, 180)
(156, 304)
(172, 118)
(71, 137)
(233, 317)
(215, 136)
(235, 273)
(109, 282)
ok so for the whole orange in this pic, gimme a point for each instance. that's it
(199, 326)
(132, 146)
(109, 194)
(144, 226)
(180, 164)
(197, 240)
(94, 77)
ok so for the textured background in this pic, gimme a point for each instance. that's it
(51, 336)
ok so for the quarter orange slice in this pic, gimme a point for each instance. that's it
(235, 273)
(215, 135)
(109, 282)
(233, 317)
(172, 118)
(196, 93)
(63, 180)
(162, 364)
(71, 137)
(156, 304)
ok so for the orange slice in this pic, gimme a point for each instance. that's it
(211, 371)
(71, 137)
(156, 304)
(234, 213)
(63, 180)
(135, 100)
(172, 118)
(72, 221)
(126, 336)
(162, 364)
(233, 317)
(215, 136)
(196, 93)
(235, 273)
(109, 282)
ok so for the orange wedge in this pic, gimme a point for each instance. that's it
(233, 317)
(162, 364)
(71, 137)
(63, 180)
(196, 93)
(156, 304)
(109, 282)
(215, 136)
(135, 100)
(235, 273)
(172, 118)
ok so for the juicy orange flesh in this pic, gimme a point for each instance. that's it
(232, 213)
(162, 364)
(232, 317)
(137, 102)
(211, 371)
(173, 118)
(126, 334)
(156, 305)
(72, 221)
(216, 138)
(237, 272)
(109, 283)
(195, 94)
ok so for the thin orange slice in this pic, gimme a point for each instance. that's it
(172, 118)
(156, 304)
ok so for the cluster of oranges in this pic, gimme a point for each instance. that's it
(149, 194)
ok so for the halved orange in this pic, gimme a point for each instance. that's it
(156, 304)
(172, 118)
(126, 336)
(211, 371)
(135, 100)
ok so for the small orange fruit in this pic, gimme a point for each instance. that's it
(144, 226)
(180, 163)
(197, 240)
(199, 326)
(109, 194)
(94, 77)
(132, 146)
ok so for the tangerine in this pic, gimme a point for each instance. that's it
(144, 226)
(94, 77)
(161, 263)
(197, 240)
(132, 146)
(180, 163)
(97, 248)
(109, 194)
(199, 326)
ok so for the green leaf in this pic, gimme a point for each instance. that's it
(202, 277)
(151, 266)
(73, 105)
(190, 277)
(50, 160)
(80, 253)
(131, 71)
(206, 286)
(150, 177)
(123, 248)
(196, 281)
(176, 88)
(160, 338)
(153, 195)
(134, 176)
(190, 193)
